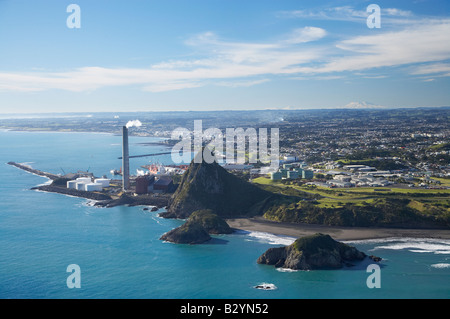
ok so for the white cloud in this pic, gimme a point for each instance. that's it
(306, 34)
(389, 16)
(442, 69)
(396, 12)
(423, 47)
(224, 60)
(415, 44)
(234, 84)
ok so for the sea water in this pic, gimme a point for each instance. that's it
(120, 255)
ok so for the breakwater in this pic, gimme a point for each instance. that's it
(34, 171)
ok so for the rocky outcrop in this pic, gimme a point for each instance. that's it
(212, 223)
(210, 186)
(188, 233)
(317, 251)
(197, 228)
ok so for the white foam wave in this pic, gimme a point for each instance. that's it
(416, 245)
(271, 238)
(286, 270)
(442, 265)
(265, 286)
(90, 203)
(48, 182)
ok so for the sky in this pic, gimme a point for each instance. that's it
(187, 55)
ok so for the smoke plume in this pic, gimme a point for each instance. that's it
(135, 123)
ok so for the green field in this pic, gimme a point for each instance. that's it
(423, 200)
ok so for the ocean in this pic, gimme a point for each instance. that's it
(119, 253)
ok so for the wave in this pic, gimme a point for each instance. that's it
(286, 270)
(271, 238)
(415, 245)
(440, 266)
(265, 286)
(90, 203)
(48, 182)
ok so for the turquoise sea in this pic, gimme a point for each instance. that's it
(120, 255)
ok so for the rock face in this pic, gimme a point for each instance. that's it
(210, 186)
(317, 251)
(188, 233)
(197, 228)
(212, 223)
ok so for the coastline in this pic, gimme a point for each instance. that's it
(260, 224)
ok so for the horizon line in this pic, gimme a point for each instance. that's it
(233, 110)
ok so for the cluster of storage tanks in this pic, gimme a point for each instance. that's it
(86, 184)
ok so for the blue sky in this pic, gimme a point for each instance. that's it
(222, 54)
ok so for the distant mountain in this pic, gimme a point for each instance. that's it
(210, 186)
(363, 105)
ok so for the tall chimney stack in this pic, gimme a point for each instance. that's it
(125, 160)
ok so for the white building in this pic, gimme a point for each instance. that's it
(86, 184)
(93, 187)
(103, 181)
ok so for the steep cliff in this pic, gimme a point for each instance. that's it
(210, 186)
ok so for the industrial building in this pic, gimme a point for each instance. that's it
(144, 184)
(307, 174)
(163, 185)
(291, 173)
(150, 184)
(275, 176)
(86, 184)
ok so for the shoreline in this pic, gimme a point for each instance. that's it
(260, 224)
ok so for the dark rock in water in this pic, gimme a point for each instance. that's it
(212, 223)
(154, 209)
(197, 228)
(317, 251)
(146, 208)
(375, 258)
(189, 233)
(265, 286)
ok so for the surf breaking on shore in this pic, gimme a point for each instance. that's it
(261, 225)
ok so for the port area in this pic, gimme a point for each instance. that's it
(110, 196)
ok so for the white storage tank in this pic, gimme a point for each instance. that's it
(72, 184)
(93, 187)
(84, 180)
(81, 186)
(103, 181)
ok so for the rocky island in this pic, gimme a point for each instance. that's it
(317, 251)
(198, 228)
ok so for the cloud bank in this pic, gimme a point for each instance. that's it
(423, 48)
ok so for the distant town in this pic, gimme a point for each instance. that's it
(327, 148)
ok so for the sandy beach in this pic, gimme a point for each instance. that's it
(339, 233)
